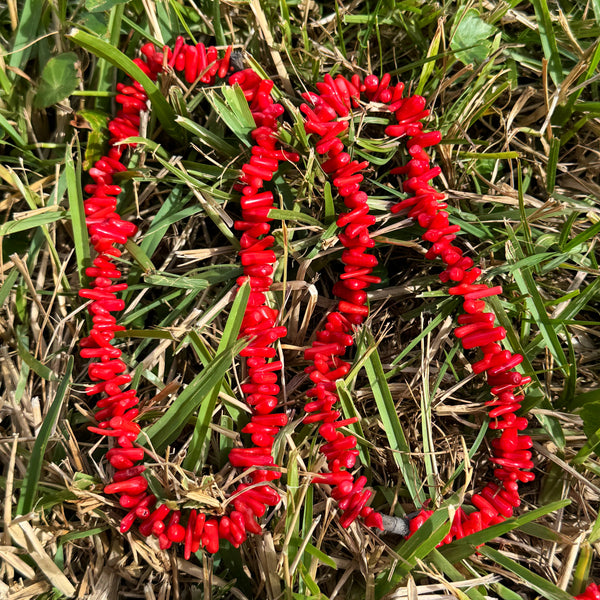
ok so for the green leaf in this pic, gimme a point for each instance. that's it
(429, 66)
(593, 396)
(552, 165)
(349, 410)
(7, 285)
(535, 304)
(205, 195)
(172, 210)
(140, 256)
(236, 99)
(504, 593)
(590, 413)
(35, 365)
(232, 111)
(440, 562)
(543, 532)
(12, 132)
(207, 137)
(330, 212)
(583, 237)
(472, 450)
(472, 38)
(199, 281)
(59, 80)
(291, 215)
(97, 138)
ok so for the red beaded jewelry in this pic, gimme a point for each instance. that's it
(326, 120)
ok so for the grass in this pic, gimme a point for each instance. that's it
(513, 88)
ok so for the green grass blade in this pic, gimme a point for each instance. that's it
(349, 411)
(103, 76)
(205, 196)
(447, 308)
(169, 426)
(478, 441)
(140, 257)
(536, 395)
(77, 214)
(171, 211)
(391, 424)
(548, 39)
(535, 582)
(177, 9)
(307, 520)
(235, 98)
(292, 215)
(461, 549)
(7, 285)
(32, 220)
(584, 236)
(576, 305)
(197, 281)
(321, 556)
(535, 304)
(417, 547)
(29, 21)
(437, 559)
(33, 363)
(240, 123)
(429, 65)
(148, 308)
(207, 137)
(34, 468)
(105, 50)
(225, 442)
(199, 445)
(330, 213)
(12, 132)
(552, 165)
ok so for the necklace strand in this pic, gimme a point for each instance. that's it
(327, 116)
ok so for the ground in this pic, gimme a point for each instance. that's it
(513, 88)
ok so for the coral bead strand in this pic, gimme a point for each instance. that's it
(322, 111)
(326, 118)
(118, 409)
(510, 451)
(592, 592)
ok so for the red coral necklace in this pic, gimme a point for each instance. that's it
(326, 118)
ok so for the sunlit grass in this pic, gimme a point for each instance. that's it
(513, 88)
